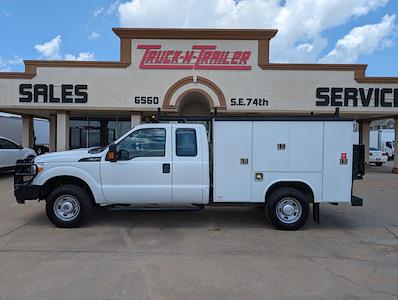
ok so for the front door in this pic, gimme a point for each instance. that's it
(142, 172)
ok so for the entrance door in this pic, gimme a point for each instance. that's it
(142, 172)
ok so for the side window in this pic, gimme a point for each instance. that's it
(5, 144)
(150, 142)
(389, 144)
(186, 144)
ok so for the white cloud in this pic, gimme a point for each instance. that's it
(50, 49)
(362, 40)
(300, 22)
(98, 11)
(83, 56)
(113, 7)
(305, 47)
(7, 65)
(94, 36)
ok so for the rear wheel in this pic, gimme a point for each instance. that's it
(68, 206)
(287, 208)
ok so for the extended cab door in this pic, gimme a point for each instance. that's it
(188, 164)
(142, 172)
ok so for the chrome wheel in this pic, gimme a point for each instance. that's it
(66, 207)
(289, 210)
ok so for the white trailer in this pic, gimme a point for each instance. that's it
(284, 164)
(11, 128)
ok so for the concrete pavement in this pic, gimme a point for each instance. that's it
(216, 253)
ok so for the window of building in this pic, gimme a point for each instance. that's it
(186, 144)
(149, 142)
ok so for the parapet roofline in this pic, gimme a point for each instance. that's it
(263, 36)
(194, 33)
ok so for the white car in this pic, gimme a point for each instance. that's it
(11, 151)
(377, 157)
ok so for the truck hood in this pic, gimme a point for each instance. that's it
(65, 156)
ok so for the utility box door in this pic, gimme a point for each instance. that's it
(337, 174)
(232, 161)
(267, 137)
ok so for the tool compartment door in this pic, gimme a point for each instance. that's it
(232, 161)
(337, 175)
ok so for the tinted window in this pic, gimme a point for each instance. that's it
(150, 142)
(372, 149)
(186, 142)
(389, 144)
(5, 144)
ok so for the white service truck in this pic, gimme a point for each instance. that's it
(383, 140)
(283, 164)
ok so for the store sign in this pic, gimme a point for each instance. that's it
(200, 57)
(337, 96)
(65, 93)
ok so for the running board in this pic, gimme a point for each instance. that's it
(153, 208)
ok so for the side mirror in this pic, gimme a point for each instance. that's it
(111, 155)
(20, 147)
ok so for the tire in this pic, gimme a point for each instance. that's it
(296, 204)
(68, 206)
(379, 164)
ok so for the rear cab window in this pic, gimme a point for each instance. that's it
(186, 142)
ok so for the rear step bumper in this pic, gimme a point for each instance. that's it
(356, 201)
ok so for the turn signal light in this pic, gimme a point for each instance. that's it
(111, 155)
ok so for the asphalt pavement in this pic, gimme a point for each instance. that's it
(215, 253)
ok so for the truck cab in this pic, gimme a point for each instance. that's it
(152, 163)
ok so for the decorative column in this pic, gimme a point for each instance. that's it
(135, 119)
(364, 136)
(62, 131)
(27, 131)
(53, 132)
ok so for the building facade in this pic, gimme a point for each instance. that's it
(186, 72)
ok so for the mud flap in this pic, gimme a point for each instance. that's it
(315, 213)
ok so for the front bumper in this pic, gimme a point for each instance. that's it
(27, 192)
(25, 172)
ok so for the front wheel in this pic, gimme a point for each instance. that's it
(68, 206)
(287, 209)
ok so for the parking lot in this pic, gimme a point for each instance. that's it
(215, 253)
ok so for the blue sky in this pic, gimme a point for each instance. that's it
(363, 31)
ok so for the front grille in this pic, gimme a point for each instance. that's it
(25, 171)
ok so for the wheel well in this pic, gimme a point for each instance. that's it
(301, 186)
(55, 182)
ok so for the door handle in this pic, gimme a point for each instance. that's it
(166, 168)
